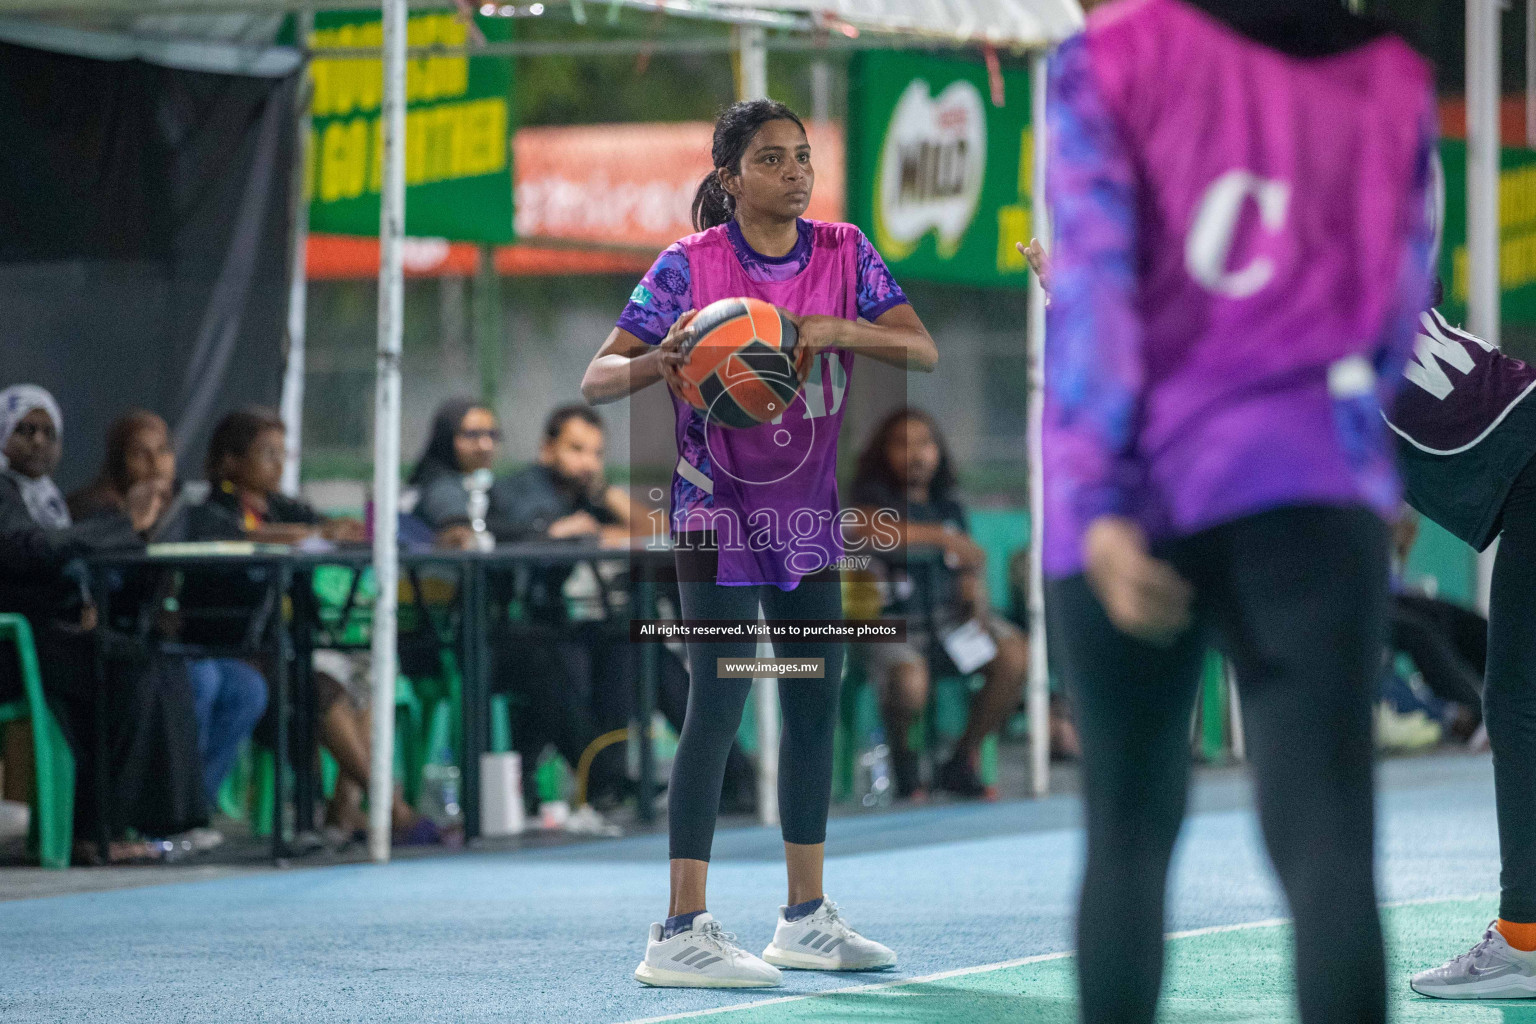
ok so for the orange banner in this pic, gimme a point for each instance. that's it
(632, 185)
(626, 190)
(341, 257)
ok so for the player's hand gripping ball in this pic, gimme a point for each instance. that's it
(740, 367)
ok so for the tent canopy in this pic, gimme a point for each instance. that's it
(1019, 24)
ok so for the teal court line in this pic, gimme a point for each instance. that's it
(1525, 1012)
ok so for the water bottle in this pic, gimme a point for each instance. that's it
(440, 787)
(875, 773)
(478, 486)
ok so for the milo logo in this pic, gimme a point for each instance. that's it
(931, 168)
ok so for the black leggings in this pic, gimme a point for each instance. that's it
(808, 706)
(1509, 697)
(1296, 597)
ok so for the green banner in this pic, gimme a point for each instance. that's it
(1517, 233)
(938, 175)
(458, 132)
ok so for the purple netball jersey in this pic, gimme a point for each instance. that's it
(1242, 251)
(768, 492)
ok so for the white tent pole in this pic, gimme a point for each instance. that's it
(821, 90)
(292, 406)
(1483, 102)
(386, 433)
(1037, 690)
(752, 45)
(1530, 73)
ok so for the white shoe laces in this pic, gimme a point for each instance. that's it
(835, 920)
(1476, 953)
(720, 940)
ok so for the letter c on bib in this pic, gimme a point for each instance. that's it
(1210, 239)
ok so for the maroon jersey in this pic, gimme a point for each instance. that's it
(1458, 389)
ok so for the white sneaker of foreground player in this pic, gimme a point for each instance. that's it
(703, 956)
(1492, 969)
(823, 941)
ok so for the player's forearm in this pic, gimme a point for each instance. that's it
(614, 376)
(910, 348)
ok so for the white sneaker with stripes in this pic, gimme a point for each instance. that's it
(823, 941)
(1492, 969)
(703, 956)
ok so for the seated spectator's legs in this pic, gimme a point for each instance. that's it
(344, 731)
(900, 674)
(1447, 673)
(602, 676)
(17, 754)
(547, 707)
(1465, 629)
(229, 696)
(1002, 687)
(614, 669)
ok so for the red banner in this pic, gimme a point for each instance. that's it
(632, 185)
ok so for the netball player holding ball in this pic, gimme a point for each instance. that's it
(754, 518)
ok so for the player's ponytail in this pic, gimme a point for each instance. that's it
(712, 204)
(734, 129)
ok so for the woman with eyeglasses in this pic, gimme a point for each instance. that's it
(536, 660)
(462, 442)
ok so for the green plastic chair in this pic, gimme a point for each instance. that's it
(859, 716)
(263, 789)
(1214, 740)
(51, 834)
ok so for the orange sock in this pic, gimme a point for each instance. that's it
(1519, 935)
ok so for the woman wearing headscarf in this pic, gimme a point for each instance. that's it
(152, 746)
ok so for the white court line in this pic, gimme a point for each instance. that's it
(960, 972)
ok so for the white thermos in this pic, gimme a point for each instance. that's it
(501, 795)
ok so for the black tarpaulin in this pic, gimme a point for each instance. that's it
(144, 219)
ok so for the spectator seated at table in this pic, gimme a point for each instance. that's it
(1447, 643)
(575, 681)
(905, 472)
(245, 468)
(154, 773)
(230, 694)
(245, 501)
(565, 495)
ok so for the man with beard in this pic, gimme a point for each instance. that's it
(565, 496)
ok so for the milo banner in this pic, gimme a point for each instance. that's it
(938, 174)
(458, 172)
(1517, 233)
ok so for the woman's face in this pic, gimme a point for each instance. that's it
(148, 455)
(776, 176)
(33, 448)
(260, 469)
(912, 452)
(474, 443)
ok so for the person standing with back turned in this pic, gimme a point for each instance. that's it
(1240, 192)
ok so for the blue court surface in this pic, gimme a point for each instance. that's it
(978, 895)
